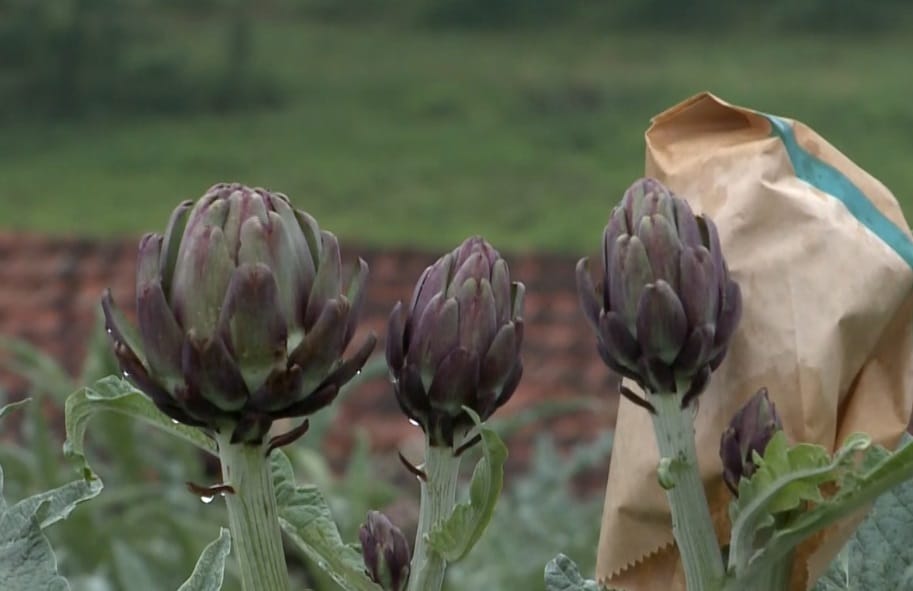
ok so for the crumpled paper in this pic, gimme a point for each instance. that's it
(823, 256)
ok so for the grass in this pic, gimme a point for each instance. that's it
(411, 138)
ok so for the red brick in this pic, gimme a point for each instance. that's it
(50, 290)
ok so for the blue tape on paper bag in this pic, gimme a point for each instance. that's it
(828, 179)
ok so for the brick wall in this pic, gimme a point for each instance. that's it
(50, 288)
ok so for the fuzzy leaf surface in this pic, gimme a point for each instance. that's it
(880, 553)
(27, 561)
(207, 575)
(306, 519)
(113, 394)
(562, 574)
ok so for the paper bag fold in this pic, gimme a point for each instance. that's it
(823, 256)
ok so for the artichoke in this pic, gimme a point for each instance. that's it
(667, 308)
(749, 432)
(385, 552)
(458, 343)
(241, 316)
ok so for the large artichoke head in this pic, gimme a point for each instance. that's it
(458, 342)
(242, 318)
(667, 308)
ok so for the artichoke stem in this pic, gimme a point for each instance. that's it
(253, 516)
(691, 522)
(774, 577)
(438, 499)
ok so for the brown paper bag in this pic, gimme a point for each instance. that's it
(823, 255)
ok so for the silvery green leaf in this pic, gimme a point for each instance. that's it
(306, 519)
(27, 561)
(561, 574)
(114, 394)
(880, 553)
(455, 537)
(210, 568)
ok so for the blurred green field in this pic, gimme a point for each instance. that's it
(396, 136)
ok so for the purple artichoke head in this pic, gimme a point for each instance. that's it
(750, 430)
(458, 342)
(385, 552)
(666, 308)
(242, 317)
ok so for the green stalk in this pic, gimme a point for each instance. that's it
(774, 578)
(691, 522)
(252, 516)
(438, 499)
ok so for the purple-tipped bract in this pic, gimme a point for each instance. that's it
(458, 342)
(749, 432)
(242, 317)
(666, 308)
(385, 551)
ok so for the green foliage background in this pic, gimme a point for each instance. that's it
(414, 123)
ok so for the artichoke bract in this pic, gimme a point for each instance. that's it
(749, 431)
(385, 551)
(458, 342)
(242, 318)
(666, 308)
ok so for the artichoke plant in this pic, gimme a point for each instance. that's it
(385, 552)
(242, 318)
(749, 432)
(667, 308)
(458, 342)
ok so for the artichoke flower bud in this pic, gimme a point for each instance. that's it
(458, 342)
(666, 308)
(385, 552)
(242, 317)
(749, 431)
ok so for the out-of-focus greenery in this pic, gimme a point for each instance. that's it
(145, 530)
(394, 129)
(538, 516)
(66, 59)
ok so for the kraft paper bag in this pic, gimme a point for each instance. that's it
(823, 256)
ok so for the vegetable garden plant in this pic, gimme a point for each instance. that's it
(244, 318)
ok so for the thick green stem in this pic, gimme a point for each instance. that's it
(774, 578)
(691, 522)
(438, 498)
(253, 518)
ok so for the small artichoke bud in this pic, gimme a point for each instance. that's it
(750, 430)
(385, 552)
(242, 318)
(666, 308)
(458, 342)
